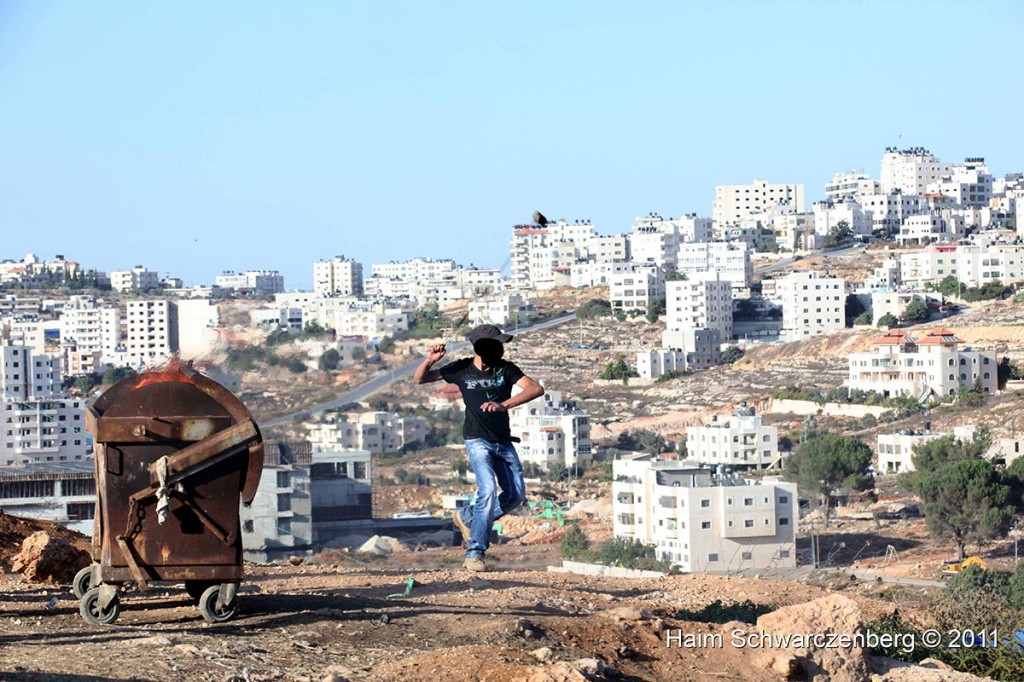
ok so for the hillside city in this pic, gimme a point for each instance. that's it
(817, 392)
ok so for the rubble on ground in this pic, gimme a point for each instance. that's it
(44, 558)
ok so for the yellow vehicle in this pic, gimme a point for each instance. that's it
(954, 566)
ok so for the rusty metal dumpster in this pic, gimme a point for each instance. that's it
(175, 452)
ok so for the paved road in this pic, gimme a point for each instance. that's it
(916, 582)
(789, 261)
(386, 377)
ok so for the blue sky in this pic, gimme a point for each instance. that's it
(194, 137)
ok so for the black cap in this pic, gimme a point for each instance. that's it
(488, 331)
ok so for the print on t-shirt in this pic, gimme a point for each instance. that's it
(481, 386)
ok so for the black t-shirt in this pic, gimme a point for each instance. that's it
(478, 387)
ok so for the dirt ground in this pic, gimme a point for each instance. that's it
(310, 621)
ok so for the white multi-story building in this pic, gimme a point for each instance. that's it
(731, 260)
(733, 203)
(974, 264)
(351, 317)
(934, 365)
(339, 276)
(38, 424)
(888, 211)
(289, 319)
(415, 269)
(700, 521)
(812, 303)
(372, 431)
(741, 442)
(852, 185)
(196, 322)
(608, 249)
(596, 273)
(698, 349)
(63, 492)
(552, 432)
(151, 334)
(541, 256)
(794, 231)
(652, 246)
(828, 215)
(703, 302)
(636, 289)
(896, 449)
(137, 278)
(934, 226)
(895, 302)
(90, 334)
(967, 185)
(501, 310)
(259, 282)
(911, 170)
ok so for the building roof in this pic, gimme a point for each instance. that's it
(895, 337)
(941, 336)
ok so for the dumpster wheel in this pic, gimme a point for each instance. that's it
(214, 612)
(82, 582)
(196, 588)
(91, 611)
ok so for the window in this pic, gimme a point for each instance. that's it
(748, 501)
(705, 525)
(705, 503)
(748, 523)
(783, 553)
(712, 557)
(783, 499)
(747, 556)
(283, 479)
(784, 521)
(284, 502)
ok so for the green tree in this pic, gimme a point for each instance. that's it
(313, 328)
(575, 544)
(84, 384)
(914, 312)
(655, 309)
(618, 370)
(460, 466)
(732, 354)
(888, 320)
(295, 365)
(745, 310)
(358, 353)
(642, 440)
(854, 308)
(965, 499)
(594, 308)
(556, 472)
(864, 318)
(841, 233)
(116, 374)
(329, 360)
(672, 275)
(828, 462)
(386, 345)
(950, 286)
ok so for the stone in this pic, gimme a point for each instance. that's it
(542, 654)
(626, 613)
(44, 558)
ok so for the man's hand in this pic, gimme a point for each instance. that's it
(492, 406)
(436, 353)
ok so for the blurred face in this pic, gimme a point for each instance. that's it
(489, 350)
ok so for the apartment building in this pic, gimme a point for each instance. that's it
(650, 245)
(541, 257)
(415, 269)
(813, 303)
(138, 278)
(733, 203)
(932, 227)
(608, 249)
(372, 431)
(258, 282)
(910, 171)
(967, 185)
(151, 334)
(552, 431)
(852, 185)
(502, 310)
(90, 335)
(637, 288)
(829, 214)
(703, 302)
(935, 364)
(731, 260)
(352, 317)
(697, 349)
(64, 493)
(974, 264)
(700, 521)
(38, 424)
(895, 302)
(596, 273)
(888, 211)
(306, 499)
(895, 450)
(741, 442)
(339, 276)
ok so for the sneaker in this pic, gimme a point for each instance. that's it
(475, 564)
(461, 525)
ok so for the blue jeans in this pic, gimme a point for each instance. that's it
(495, 465)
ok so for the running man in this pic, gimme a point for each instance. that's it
(486, 381)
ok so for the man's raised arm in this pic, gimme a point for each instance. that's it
(424, 374)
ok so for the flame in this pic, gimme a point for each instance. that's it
(169, 372)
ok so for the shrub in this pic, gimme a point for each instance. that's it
(888, 320)
(721, 613)
(575, 544)
(329, 360)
